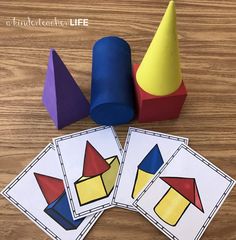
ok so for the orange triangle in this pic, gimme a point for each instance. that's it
(94, 163)
(51, 187)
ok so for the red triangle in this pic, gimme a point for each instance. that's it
(186, 187)
(94, 163)
(198, 202)
(51, 187)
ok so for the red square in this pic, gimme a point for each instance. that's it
(157, 108)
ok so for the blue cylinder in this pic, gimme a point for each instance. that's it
(112, 93)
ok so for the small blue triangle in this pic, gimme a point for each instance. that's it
(152, 162)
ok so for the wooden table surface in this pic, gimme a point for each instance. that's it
(207, 35)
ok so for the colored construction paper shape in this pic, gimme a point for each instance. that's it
(184, 195)
(90, 161)
(38, 192)
(144, 153)
(62, 96)
(159, 73)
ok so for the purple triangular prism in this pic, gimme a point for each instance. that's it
(62, 97)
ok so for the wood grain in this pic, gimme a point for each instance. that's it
(207, 37)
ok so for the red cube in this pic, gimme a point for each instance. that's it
(157, 108)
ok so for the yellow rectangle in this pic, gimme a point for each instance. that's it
(109, 177)
(90, 189)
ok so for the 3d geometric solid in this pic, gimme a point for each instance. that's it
(112, 90)
(62, 96)
(159, 73)
(58, 206)
(147, 169)
(182, 192)
(98, 178)
(160, 91)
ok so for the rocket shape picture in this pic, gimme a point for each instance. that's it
(146, 169)
(58, 206)
(182, 193)
(98, 177)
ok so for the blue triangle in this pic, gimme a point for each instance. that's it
(152, 162)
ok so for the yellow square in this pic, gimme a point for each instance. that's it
(89, 189)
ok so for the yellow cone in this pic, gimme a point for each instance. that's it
(159, 72)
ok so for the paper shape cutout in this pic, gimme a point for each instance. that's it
(159, 73)
(112, 101)
(98, 178)
(146, 169)
(182, 192)
(58, 207)
(62, 96)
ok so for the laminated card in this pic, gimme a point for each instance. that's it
(184, 195)
(90, 161)
(144, 153)
(38, 191)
